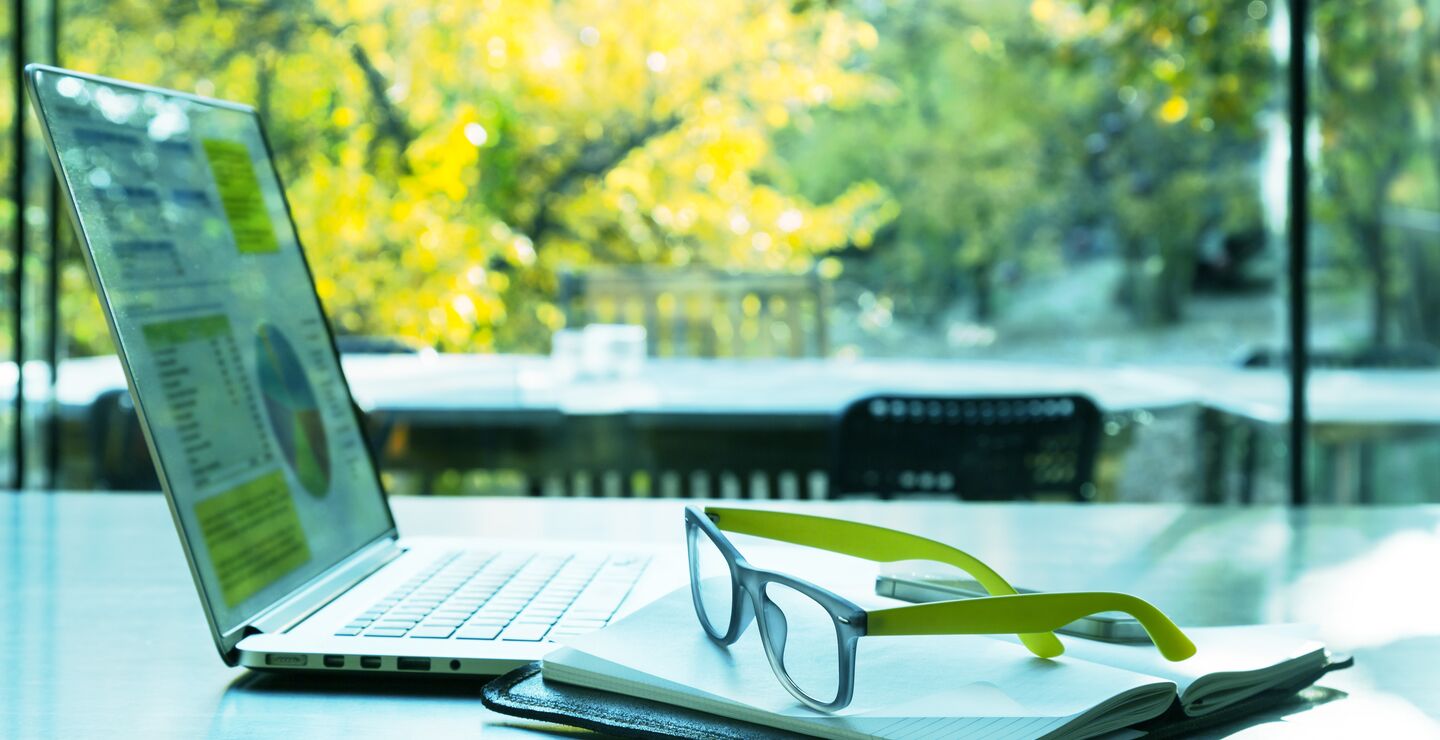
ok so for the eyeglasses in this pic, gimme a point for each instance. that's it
(810, 633)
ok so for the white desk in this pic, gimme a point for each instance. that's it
(101, 633)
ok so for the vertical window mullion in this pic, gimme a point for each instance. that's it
(1299, 242)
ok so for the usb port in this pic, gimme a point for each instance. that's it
(413, 664)
(334, 661)
(369, 661)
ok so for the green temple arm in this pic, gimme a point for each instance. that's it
(877, 544)
(1029, 613)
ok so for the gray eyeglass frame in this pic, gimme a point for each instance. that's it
(749, 582)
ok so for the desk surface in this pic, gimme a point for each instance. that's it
(100, 632)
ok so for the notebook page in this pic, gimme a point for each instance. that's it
(1230, 663)
(905, 686)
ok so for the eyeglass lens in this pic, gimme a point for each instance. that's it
(804, 638)
(711, 580)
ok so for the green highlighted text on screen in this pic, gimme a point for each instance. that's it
(241, 196)
(180, 331)
(253, 535)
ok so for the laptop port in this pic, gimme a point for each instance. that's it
(413, 664)
(285, 659)
(369, 661)
(334, 661)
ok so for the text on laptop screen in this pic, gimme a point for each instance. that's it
(226, 344)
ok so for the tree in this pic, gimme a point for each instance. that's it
(1180, 137)
(1374, 102)
(1370, 84)
(448, 159)
(1022, 138)
(970, 143)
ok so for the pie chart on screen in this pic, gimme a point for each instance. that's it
(291, 406)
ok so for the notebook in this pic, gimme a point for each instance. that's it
(923, 687)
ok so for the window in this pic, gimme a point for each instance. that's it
(907, 194)
(1375, 254)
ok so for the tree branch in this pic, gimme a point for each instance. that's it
(392, 121)
(596, 158)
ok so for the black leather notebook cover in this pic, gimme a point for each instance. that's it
(524, 693)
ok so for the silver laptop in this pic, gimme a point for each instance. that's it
(251, 424)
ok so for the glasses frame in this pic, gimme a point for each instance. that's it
(747, 604)
(1032, 617)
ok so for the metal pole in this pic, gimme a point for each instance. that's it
(1299, 240)
(17, 274)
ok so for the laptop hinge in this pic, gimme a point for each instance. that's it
(308, 599)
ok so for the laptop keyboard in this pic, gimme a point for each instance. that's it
(510, 596)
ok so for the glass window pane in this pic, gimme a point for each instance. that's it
(1375, 256)
(951, 198)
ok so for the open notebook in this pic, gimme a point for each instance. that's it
(924, 687)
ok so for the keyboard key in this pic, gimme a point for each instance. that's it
(584, 625)
(591, 611)
(525, 632)
(477, 632)
(509, 596)
(347, 632)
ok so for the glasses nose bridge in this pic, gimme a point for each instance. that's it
(752, 595)
(759, 603)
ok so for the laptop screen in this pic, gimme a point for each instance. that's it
(227, 349)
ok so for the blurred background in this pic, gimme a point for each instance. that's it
(614, 247)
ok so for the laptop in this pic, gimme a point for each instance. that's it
(255, 437)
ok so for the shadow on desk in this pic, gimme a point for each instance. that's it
(353, 691)
(356, 685)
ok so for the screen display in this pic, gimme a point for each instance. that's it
(225, 341)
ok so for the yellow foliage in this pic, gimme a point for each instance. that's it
(446, 159)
